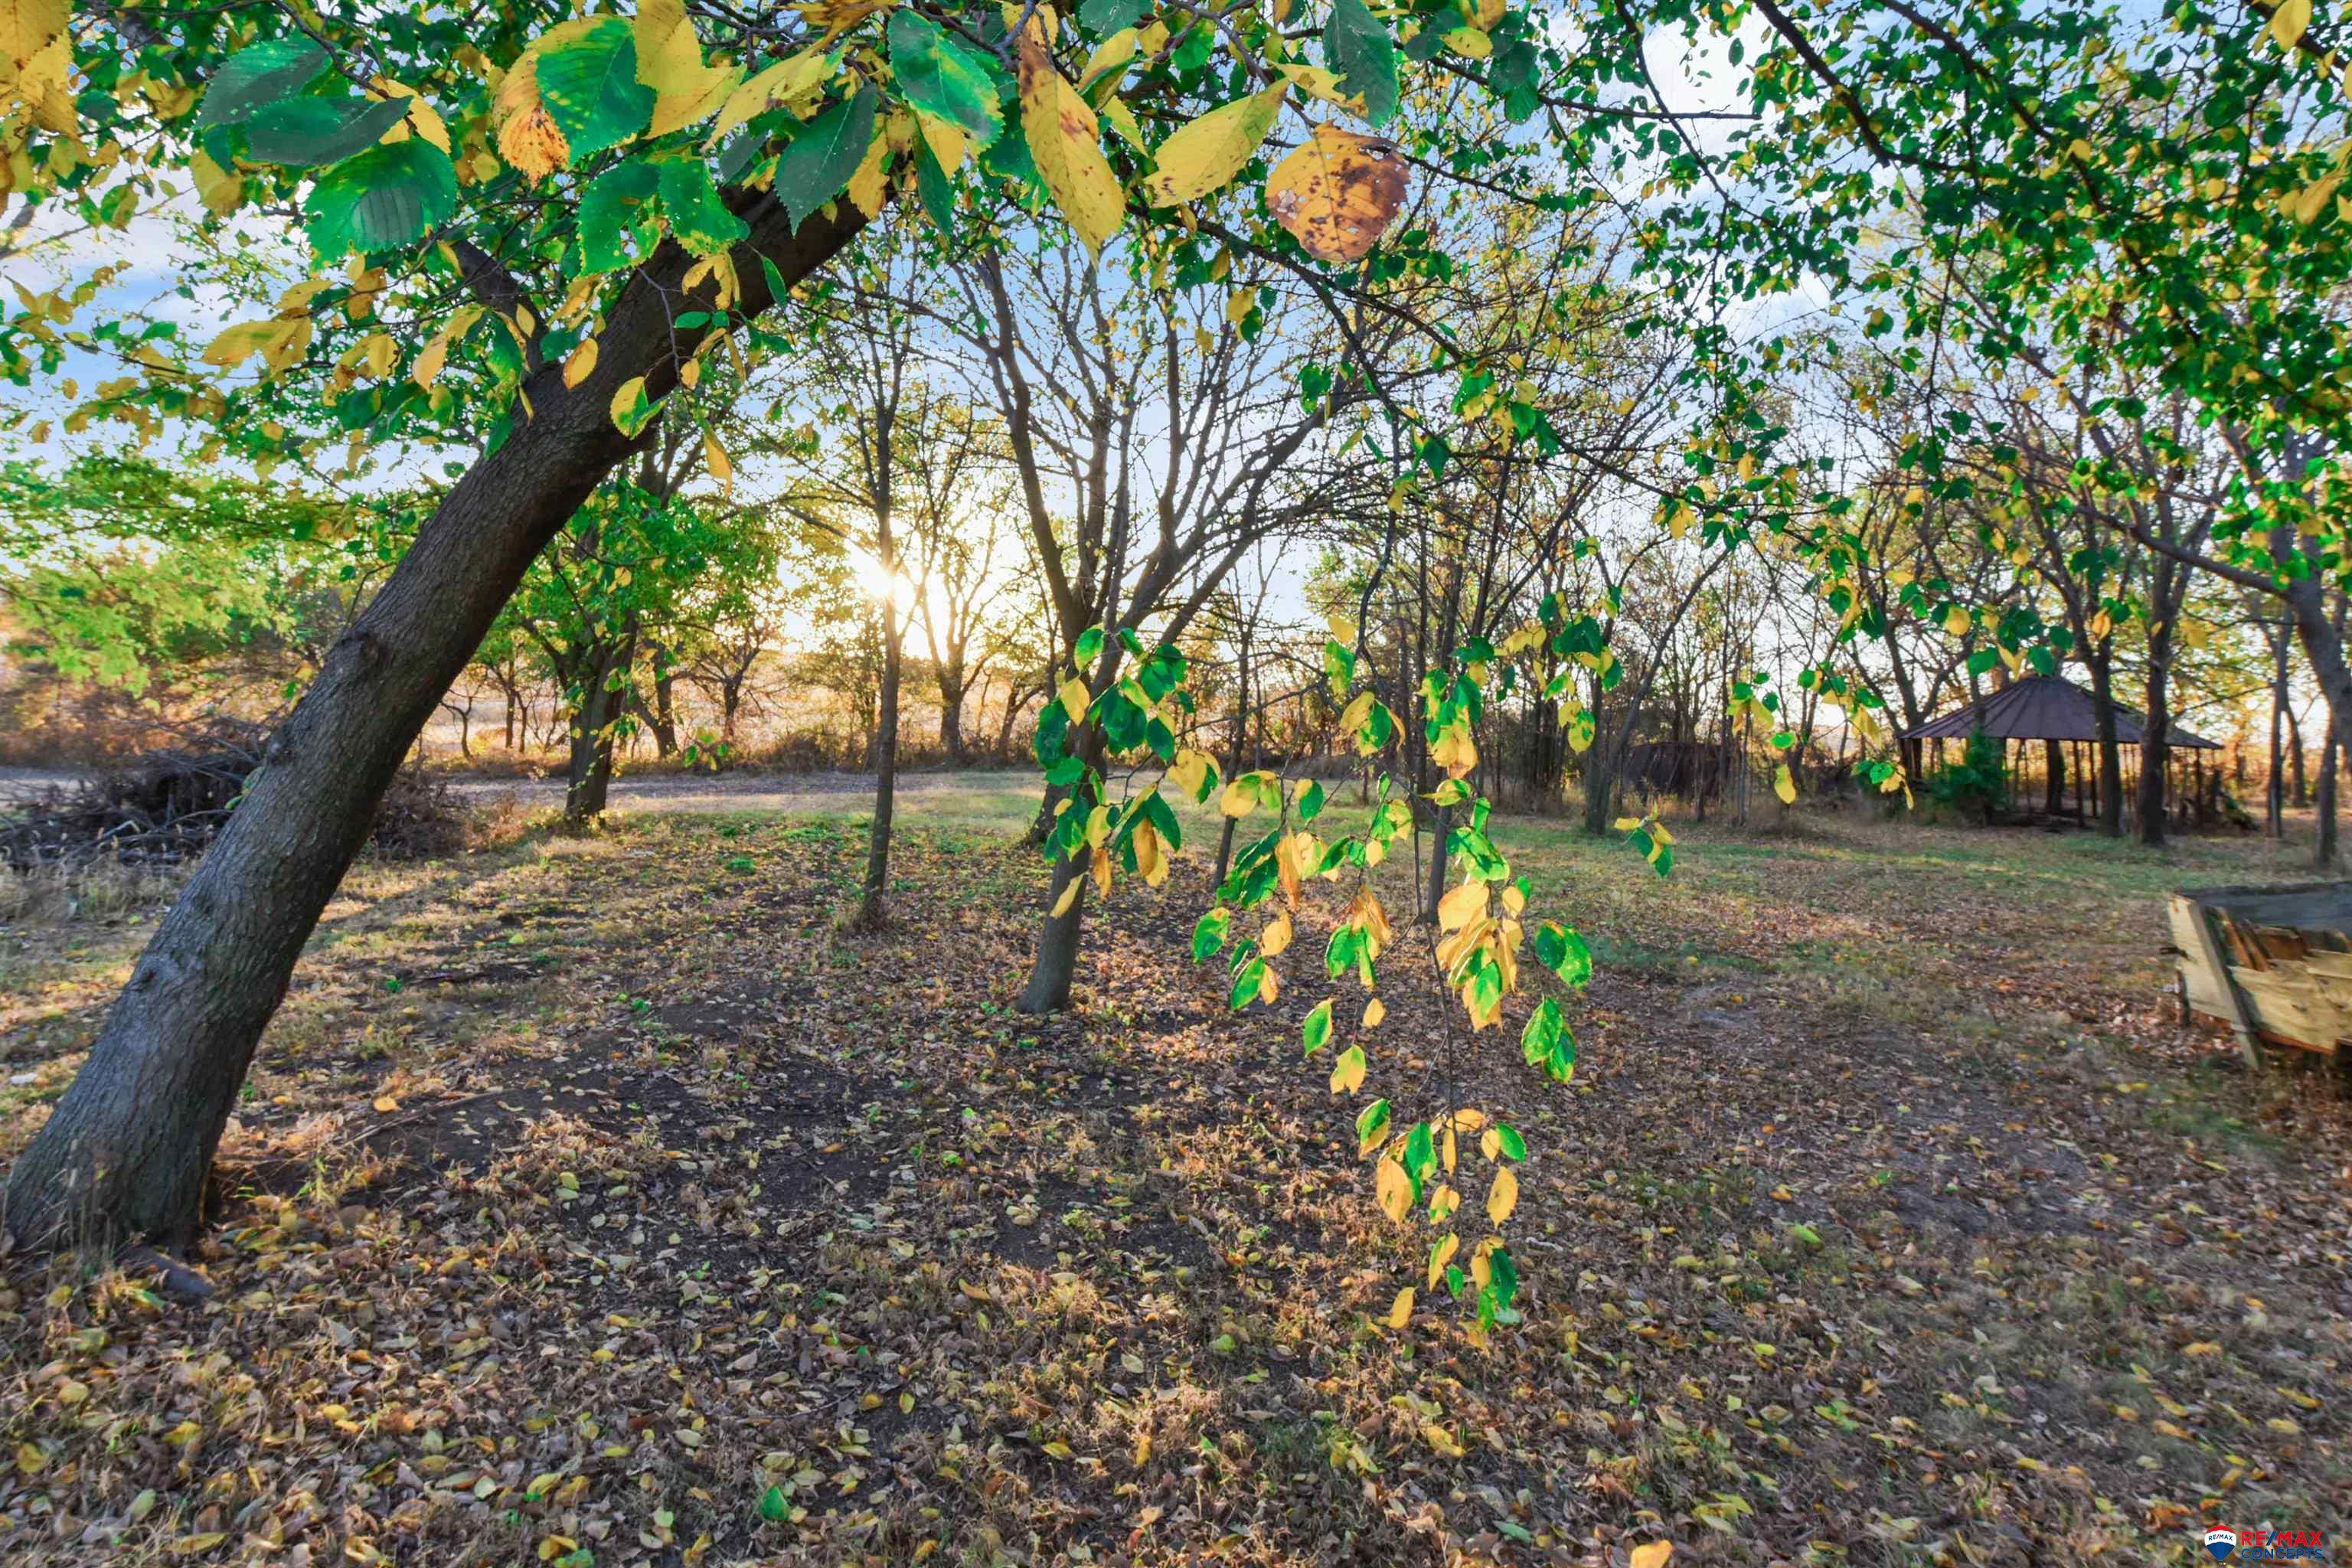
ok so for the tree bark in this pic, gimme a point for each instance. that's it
(2111, 751)
(128, 1147)
(1056, 967)
(2274, 796)
(870, 911)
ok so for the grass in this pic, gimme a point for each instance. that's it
(603, 1201)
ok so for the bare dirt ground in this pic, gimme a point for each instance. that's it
(604, 1202)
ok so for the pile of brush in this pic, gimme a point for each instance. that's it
(164, 807)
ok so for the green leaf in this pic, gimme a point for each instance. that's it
(933, 185)
(1546, 1042)
(591, 88)
(1514, 1147)
(1562, 950)
(698, 219)
(305, 132)
(1162, 817)
(1316, 1031)
(1371, 1122)
(946, 78)
(774, 1507)
(1357, 47)
(615, 206)
(817, 162)
(1420, 1152)
(1104, 18)
(1090, 644)
(259, 74)
(1209, 933)
(1310, 801)
(386, 197)
(1246, 984)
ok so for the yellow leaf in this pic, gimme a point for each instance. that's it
(527, 136)
(669, 61)
(386, 1104)
(1069, 896)
(1461, 906)
(1439, 1438)
(429, 361)
(1470, 41)
(1102, 881)
(1374, 1011)
(1400, 1312)
(233, 347)
(1238, 800)
(1440, 1256)
(1652, 1554)
(2201, 1348)
(626, 398)
(221, 192)
(1784, 784)
(1109, 55)
(1395, 1189)
(714, 458)
(1074, 697)
(423, 120)
(1348, 1071)
(1149, 858)
(2288, 22)
(1066, 143)
(1316, 81)
(1203, 156)
(581, 363)
(1338, 193)
(1503, 1197)
(871, 183)
(786, 80)
(1276, 938)
(189, 1545)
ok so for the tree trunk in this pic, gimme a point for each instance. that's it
(1233, 757)
(2111, 751)
(951, 696)
(662, 719)
(1056, 966)
(2055, 766)
(127, 1148)
(2301, 787)
(588, 780)
(2323, 854)
(886, 769)
(2155, 748)
(2274, 796)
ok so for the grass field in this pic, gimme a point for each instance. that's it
(603, 1201)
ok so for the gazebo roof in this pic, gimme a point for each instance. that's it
(2045, 708)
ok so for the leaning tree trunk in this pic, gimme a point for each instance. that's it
(127, 1148)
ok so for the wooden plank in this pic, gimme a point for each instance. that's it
(2201, 924)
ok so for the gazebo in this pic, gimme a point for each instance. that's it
(2063, 716)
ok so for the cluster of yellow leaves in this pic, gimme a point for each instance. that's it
(1466, 912)
(35, 79)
